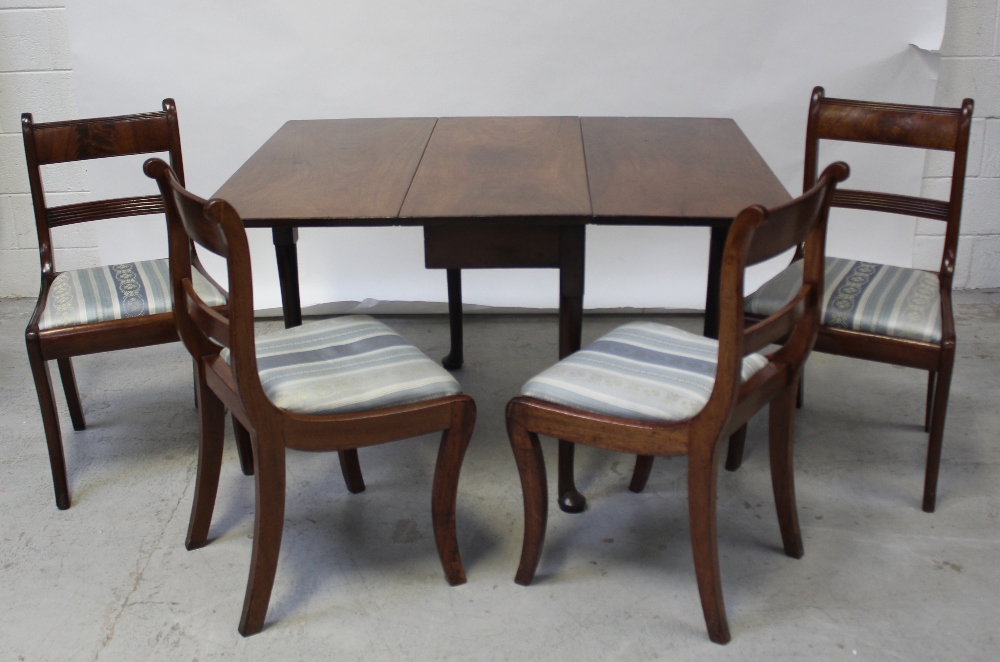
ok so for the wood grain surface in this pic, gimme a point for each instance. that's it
(313, 171)
(688, 171)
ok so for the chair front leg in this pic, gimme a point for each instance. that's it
(531, 467)
(72, 394)
(50, 420)
(454, 442)
(212, 428)
(780, 444)
(703, 471)
(269, 520)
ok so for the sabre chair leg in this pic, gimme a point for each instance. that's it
(244, 447)
(928, 410)
(531, 467)
(269, 520)
(350, 467)
(212, 427)
(941, 391)
(640, 475)
(72, 394)
(50, 420)
(454, 442)
(780, 444)
(737, 442)
(702, 485)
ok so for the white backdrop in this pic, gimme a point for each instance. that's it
(239, 70)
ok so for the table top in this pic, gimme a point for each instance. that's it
(422, 171)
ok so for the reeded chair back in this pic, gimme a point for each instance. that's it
(586, 397)
(100, 309)
(225, 351)
(922, 334)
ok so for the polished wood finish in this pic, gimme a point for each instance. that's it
(503, 192)
(756, 234)
(235, 386)
(677, 171)
(908, 126)
(319, 172)
(77, 140)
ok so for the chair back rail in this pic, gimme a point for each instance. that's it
(85, 139)
(927, 127)
(758, 234)
(215, 226)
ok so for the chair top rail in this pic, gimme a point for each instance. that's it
(928, 127)
(84, 139)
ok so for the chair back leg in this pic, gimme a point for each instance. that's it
(640, 474)
(780, 444)
(350, 467)
(942, 387)
(244, 447)
(72, 394)
(212, 424)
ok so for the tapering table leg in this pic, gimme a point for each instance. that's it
(288, 274)
(455, 358)
(571, 261)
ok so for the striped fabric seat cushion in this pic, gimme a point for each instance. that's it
(346, 364)
(863, 296)
(641, 371)
(115, 292)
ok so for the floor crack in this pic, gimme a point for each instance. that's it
(145, 564)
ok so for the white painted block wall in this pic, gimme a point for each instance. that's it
(36, 76)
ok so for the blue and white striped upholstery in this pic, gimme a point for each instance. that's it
(642, 371)
(346, 364)
(863, 296)
(116, 292)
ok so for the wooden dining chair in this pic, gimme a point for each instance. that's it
(339, 384)
(880, 312)
(86, 311)
(654, 390)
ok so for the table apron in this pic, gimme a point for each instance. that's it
(496, 247)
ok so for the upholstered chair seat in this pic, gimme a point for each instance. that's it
(346, 364)
(640, 371)
(864, 296)
(114, 292)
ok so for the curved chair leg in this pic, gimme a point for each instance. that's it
(640, 475)
(50, 420)
(72, 394)
(931, 377)
(780, 444)
(531, 467)
(269, 520)
(350, 467)
(941, 391)
(703, 472)
(454, 442)
(244, 447)
(737, 442)
(212, 424)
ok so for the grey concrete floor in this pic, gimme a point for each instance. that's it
(359, 577)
